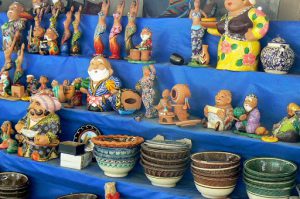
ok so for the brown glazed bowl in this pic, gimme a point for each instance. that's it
(79, 196)
(164, 161)
(165, 154)
(117, 141)
(215, 160)
(178, 166)
(216, 173)
(159, 172)
(215, 182)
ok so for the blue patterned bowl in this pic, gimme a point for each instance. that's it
(114, 156)
(116, 151)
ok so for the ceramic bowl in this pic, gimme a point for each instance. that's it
(179, 166)
(116, 151)
(164, 182)
(216, 182)
(159, 172)
(113, 156)
(166, 144)
(14, 195)
(271, 185)
(214, 160)
(222, 172)
(267, 179)
(79, 196)
(255, 196)
(214, 192)
(117, 141)
(270, 167)
(165, 154)
(116, 168)
(163, 161)
(12, 180)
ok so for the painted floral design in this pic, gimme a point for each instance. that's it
(226, 47)
(249, 59)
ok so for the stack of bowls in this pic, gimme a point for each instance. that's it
(13, 185)
(79, 196)
(215, 173)
(270, 178)
(116, 155)
(165, 162)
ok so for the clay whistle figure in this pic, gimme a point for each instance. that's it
(35, 36)
(43, 88)
(101, 28)
(7, 142)
(65, 42)
(288, 129)
(75, 45)
(180, 95)
(148, 90)
(165, 109)
(111, 191)
(220, 117)
(38, 130)
(32, 85)
(115, 47)
(131, 26)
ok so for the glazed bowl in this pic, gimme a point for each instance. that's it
(267, 179)
(215, 182)
(271, 185)
(256, 196)
(116, 151)
(160, 172)
(214, 192)
(270, 167)
(12, 181)
(79, 196)
(179, 166)
(163, 161)
(222, 172)
(215, 160)
(165, 154)
(163, 181)
(117, 141)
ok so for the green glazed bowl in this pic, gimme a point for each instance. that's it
(271, 185)
(270, 167)
(282, 192)
(267, 179)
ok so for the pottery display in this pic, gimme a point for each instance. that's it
(79, 196)
(215, 173)
(277, 57)
(14, 185)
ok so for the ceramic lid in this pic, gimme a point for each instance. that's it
(278, 40)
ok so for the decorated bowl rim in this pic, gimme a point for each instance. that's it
(21, 174)
(215, 169)
(214, 163)
(167, 151)
(164, 160)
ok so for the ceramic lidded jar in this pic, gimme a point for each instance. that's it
(277, 57)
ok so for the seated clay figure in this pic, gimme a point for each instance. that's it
(7, 142)
(164, 108)
(32, 85)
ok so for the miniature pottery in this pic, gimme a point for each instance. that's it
(117, 141)
(79, 196)
(277, 57)
(164, 108)
(163, 182)
(131, 26)
(180, 94)
(75, 43)
(65, 41)
(214, 192)
(32, 85)
(111, 191)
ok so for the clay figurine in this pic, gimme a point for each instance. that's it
(38, 130)
(65, 42)
(165, 109)
(131, 26)
(77, 98)
(16, 23)
(64, 92)
(17, 89)
(240, 31)
(114, 46)
(288, 129)
(7, 142)
(5, 84)
(101, 28)
(180, 95)
(101, 85)
(40, 7)
(220, 117)
(57, 6)
(43, 88)
(75, 45)
(111, 191)
(35, 37)
(148, 90)
(176, 8)
(32, 85)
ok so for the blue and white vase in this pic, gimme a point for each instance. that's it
(277, 57)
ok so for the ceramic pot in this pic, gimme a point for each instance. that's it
(127, 101)
(145, 55)
(271, 185)
(277, 57)
(135, 54)
(164, 182)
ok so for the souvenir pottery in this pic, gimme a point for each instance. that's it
(114, 46)
(58, 91)
(277, 57)
(7, 142)
(43, 81)
(148, 90)
(16, 23)
(111, 191)
(38, 130)
(75, 46)
(32, 85)
(101, 85)
(240, 31)
(40, 7)
(180, 95)
(164, 108)
(5, 84)
(101, 28)
(220, 117)
(35, 37)
(65, 42)
(288, 129)
(131, 26)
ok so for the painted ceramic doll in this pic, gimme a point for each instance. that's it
(40, 7)
(115, 47)
(131, 26)
(5, 84)
(101, 85)
(35, 37)
(75, 45)
(101, 28)
(32, 85)
(77, 99)
(146, 86)
(7, 142)
(240, 31)
(288, 129)
(65, 42)
(38, 130)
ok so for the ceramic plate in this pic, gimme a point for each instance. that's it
(84, 135)
(166, 144)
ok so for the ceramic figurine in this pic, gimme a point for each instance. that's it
(32, 85)
(111, 191)
(57, 7)
(38, 130)
(101, 85)
(101, 28)
(197, 33)
(180, 95)
(176, 8)
(220, 117)
(75, 45)
(131, 26)
(240, 31)
(18, 89)
(288, 129)
(16, 23)
(77, 98)
(65, 42)
(58, 91)
(43, 88)
(114, 46)
(40, 7)
(7, 142)
(5, 84)
(277, 57)
(9, 64)
(165, 109)
(148, 90)
(35, 37)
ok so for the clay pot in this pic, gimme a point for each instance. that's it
(145, 55)
(135, 54)
(179, 93)
(131, 100)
